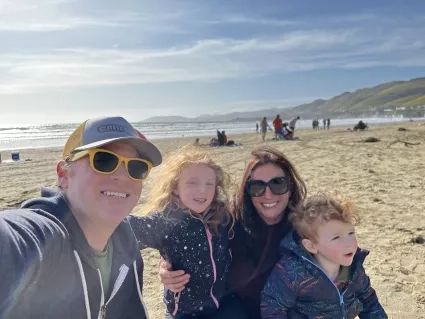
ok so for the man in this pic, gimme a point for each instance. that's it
(277, 124)
(71, 253)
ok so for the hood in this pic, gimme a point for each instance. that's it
(292, 242)
(53, 202)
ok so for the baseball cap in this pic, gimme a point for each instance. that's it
(98, 132)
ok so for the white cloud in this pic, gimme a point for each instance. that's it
(243, 19)
(210, 60)
(48, 16)
(54, 15)
(305, 47)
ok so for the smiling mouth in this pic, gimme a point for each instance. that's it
(200, 200)
(269, 205)
(115, 194)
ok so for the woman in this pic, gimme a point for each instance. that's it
(71, 253)
(270, 188)
(264, 126)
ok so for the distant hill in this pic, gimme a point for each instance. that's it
(406, 97)
(174, 119)
(398, 97)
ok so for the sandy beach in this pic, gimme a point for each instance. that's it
(386, 179)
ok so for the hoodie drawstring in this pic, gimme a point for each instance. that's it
(117, 285)
(139, 291)
(83, 280)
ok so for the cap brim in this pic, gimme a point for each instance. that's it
(146, 149)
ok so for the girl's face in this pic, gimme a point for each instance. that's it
(269, 206)
(196, 187)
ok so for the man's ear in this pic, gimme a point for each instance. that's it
(309, 246)
(62, 170)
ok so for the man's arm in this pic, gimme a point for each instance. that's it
(26, 239)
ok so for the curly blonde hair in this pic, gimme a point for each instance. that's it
(322, 207)
(162, 196)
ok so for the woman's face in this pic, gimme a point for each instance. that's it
(269, 206)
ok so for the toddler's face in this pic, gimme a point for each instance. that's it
(336, 242)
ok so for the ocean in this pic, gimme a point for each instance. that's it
(55, 135)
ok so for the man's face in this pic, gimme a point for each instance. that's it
(100, 198)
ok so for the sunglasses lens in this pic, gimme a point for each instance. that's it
(256, 188)
(278, 185)
(105, 162)
(138, 169)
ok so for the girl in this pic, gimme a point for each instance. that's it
(189, 224)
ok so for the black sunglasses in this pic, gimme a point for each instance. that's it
(278, 186)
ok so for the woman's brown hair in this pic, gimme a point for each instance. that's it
(243, 207)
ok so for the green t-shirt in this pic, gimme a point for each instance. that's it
(103, 261)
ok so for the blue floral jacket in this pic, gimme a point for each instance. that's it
(298, 288)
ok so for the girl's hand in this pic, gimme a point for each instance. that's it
(173, 280)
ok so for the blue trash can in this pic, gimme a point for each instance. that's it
(15, 156)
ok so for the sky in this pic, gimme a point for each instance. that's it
(64, 61)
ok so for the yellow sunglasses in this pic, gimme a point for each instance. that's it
(107, 162)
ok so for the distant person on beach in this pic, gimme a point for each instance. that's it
(220, 138)
(360, 126)
(324, 123)
(264, 126)
(196, 143)
(278, 126)
(71, 253)
(190, 224)
(256, 127)
(224, 137)
(321, 272)
(328, 123)
(214, 142)
(290, 129)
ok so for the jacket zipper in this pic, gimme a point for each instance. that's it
(209, 237)
(117, 285)
(340, 296)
